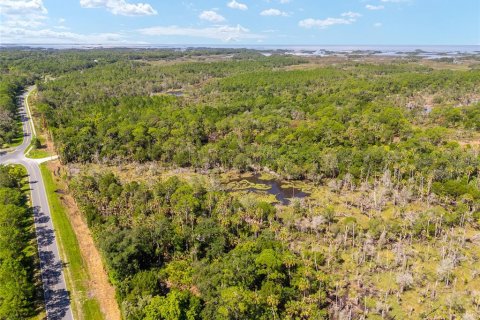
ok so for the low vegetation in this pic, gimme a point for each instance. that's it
(386, 150)
(37, 149)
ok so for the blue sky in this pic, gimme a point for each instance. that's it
(223, 22)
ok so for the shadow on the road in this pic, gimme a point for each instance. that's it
(57, 301)
(43, 219)
(52, 268)
(45, 237)
(23, 116)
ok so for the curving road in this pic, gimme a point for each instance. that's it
(57, 300)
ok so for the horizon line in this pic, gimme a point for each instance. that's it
(237, 45)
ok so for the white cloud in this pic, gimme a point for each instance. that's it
(22, 6)
(25, 22)
(372, 7)
(211, 16)
(46, 35)
(237, 5)
(285, 1)
(351, 15)
(120, 7)
(93, 3)
(22, 13)
(224, 33)
(322, 24)
(347, 18)
(377, 24)
(273, 13)
(395, 1)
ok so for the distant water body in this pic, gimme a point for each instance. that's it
(302, 50)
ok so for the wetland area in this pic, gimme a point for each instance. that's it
(283, 191)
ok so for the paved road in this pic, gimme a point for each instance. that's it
(57, 300)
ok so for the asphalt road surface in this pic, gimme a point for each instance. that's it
(57, 300)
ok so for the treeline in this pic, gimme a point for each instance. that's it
(17, 290)
(10, 87)
(314, 124)
(188, 251)
(54, 62)
(138, 78)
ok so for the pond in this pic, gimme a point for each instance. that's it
(176, 93)
(283, 193)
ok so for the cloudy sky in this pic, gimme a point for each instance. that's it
(296, 22)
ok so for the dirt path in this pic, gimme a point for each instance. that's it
(99, 285)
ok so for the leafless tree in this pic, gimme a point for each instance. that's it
(445, 269)
(405, 280)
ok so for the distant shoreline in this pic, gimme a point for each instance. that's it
(399, 51)
(435, 48)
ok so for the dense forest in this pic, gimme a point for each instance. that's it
(315, 124)
(387, 150)
(180, 251)
(10, 87)
(17, 289)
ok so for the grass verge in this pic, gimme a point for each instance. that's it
(83, 306)
(38, 154)
(33, 152)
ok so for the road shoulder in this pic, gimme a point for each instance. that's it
(93, 297)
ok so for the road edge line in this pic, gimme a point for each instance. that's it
(27, 105)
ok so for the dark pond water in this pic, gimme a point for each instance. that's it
(283, 194)
(175, 93)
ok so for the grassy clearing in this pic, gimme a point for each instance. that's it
(83, 306)
(38, 154)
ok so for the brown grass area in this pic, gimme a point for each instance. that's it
(471, 143)
(201, 58)
(99, 284)
(466, 138)
(316, 62)
(461, 65)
